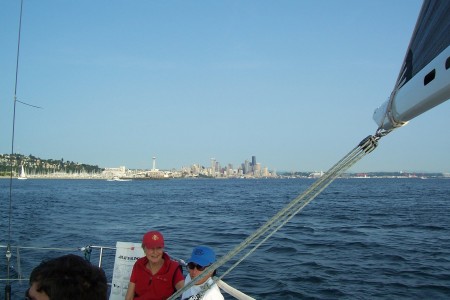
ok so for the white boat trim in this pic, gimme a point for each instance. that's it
(232, 291)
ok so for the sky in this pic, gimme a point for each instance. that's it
(294, 83)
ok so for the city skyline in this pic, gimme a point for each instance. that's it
(295, 82)
(228, 170)
(35, 167)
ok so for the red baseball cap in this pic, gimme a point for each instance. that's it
(153, 239)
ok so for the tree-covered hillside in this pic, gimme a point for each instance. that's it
(36, 165)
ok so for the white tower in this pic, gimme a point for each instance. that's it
(154, 164)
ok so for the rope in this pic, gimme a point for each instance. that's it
(287, 213)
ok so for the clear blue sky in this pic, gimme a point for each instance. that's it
(294, 83)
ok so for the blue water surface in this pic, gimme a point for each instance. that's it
(359, 239)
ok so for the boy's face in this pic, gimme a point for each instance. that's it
(33, 294)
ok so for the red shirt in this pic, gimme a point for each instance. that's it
(159, 286)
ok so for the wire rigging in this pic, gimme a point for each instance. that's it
(28, 104)
(8, 253)
(259, 236)
(366, 146)
(8, 249)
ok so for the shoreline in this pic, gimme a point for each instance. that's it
(348, 176)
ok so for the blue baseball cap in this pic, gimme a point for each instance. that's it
(203, 256)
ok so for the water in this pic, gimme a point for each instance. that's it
(360, 239)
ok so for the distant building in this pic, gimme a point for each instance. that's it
(213, 167)
(114, 172)
(257, 169)
(246, 167)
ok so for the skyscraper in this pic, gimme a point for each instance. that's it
(246, 167)
(253, 165)
(213, 167)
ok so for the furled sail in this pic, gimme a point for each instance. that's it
(424, 79)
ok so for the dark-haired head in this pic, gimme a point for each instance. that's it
(69, 277)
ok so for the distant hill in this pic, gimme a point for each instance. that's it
(36, 165)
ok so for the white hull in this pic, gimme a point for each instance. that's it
(118, 179)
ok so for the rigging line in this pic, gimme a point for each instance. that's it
(18, 50)
(8, 250)
(28, 104)
(299, 207)
(366, 146)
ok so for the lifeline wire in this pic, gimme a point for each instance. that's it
(288, 212)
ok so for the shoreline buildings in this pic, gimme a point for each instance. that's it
(246, 169)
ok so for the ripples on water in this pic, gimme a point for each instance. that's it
(360, 239)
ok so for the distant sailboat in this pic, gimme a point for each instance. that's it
(22, 174)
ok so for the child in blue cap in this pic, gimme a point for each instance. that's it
(201, 258)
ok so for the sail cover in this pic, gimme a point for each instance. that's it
(424, 79)
(431, 36)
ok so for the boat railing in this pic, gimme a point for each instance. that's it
(17, 252)
(90, 252)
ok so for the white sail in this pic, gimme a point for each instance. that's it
(22, 174)
(424, 79)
